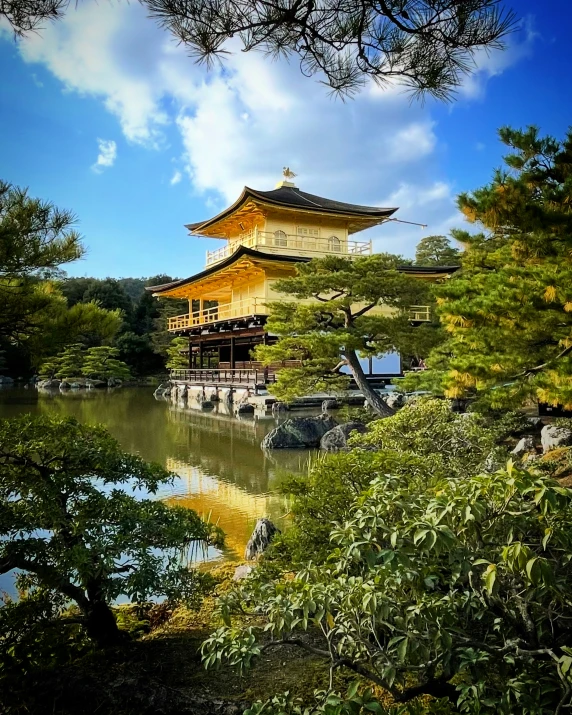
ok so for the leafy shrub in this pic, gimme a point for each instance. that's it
(425, 442)
(458, 591)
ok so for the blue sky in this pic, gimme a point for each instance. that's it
(103, 114)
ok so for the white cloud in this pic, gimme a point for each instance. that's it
(241, 124)
(490, 63)
(413, 141)
(432, 205)
(107, 155)
(176, 178)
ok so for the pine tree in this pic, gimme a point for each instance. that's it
(101, 363)
(509, 310)
(335, 320)
(70, 362)
(36, 240)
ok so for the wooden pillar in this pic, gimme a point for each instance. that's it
(191, 353)
(232, 362)
(201, 355)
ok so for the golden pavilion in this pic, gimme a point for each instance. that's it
(264, 234)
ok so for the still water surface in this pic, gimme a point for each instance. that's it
(221, 471)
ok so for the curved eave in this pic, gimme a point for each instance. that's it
(370, 216)
(236, 256)
(243, 251)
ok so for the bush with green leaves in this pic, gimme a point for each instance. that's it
(425, 442)
(331, 703)
(458, 591)
(70, 525)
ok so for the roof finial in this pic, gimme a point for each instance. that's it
(286, 181)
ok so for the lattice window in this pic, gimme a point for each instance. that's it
(334, 244)
(280, 239)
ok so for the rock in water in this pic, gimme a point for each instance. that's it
(50, 384)
(299, 433)
(245, 409)
(553, 437)
(278, 408)
(164, 390)
(262, 535)
(336, 439)
(525, 446)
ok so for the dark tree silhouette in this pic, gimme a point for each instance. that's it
(425, 45)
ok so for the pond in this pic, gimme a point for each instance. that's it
(221, 471)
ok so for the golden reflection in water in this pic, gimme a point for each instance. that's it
(231, 507)
(224, 474)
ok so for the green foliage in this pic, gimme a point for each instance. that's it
(508, 312)
(69, 523)
(175, 358)
(344, 308)
(161, 337)
(143, 338)
(331, 703)
(37, 632)
(457, 591)
(436, 251)
(70, 362)
(101, 363)
(109, 294)
(36, 238)
(424, 442)
(137, 352)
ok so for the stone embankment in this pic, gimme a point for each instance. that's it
(78, 383)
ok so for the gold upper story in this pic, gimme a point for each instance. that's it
(288, 221)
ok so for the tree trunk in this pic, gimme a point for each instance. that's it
(101, 624)
(377, 404)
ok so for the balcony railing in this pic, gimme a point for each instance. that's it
(224, 311)
(225, 377)
(280, 242)
(257, 306)
(420, 314)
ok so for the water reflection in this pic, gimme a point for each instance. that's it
(222, 472)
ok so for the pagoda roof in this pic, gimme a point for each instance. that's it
(243, 251)
(291, 197)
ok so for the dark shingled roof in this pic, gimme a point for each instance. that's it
(244, 251)
(292, 197)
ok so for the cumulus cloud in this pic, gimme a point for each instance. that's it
(107, 155)
(490, 63)
(241, 124)
(432, 205)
